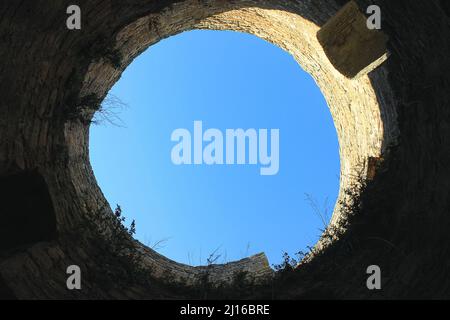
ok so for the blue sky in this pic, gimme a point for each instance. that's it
(227, 80)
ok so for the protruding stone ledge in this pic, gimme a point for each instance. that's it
(255, 267)
(352, 48)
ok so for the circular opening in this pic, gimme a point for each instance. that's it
(361, 108)
(226, 80)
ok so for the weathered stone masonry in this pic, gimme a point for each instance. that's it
(393, 123)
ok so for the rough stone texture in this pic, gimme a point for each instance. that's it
(393, 127)
(353, 49)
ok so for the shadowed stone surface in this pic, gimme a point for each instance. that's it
(393, 127)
